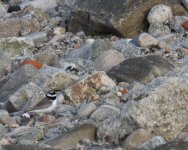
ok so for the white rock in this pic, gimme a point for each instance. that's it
(160, 14)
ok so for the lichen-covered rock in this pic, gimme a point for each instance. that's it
(121, 17)
(167, 101)
(142, 69)
(160, 14)
(56, 78)
(27, 97)
(108, 59)
(14, 46)
(87, 88)
(14, 26)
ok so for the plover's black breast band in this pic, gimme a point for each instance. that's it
(51, 95)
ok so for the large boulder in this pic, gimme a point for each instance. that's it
(122, 17)
(161, 109)
(12, 83)
(142, 69)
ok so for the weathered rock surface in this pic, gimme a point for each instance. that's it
(173, 146)
(47, 57)
(142, 69)
(160, 14)
(167, 101)
(147, 41)
(87, 88)
(153, 143)
(5, 64)
(56, 78)
(86, 15)
(70, 139)
(137, 138)
(11, 84)
(108, 59)
(14, 46)
(37, 37)
(27, 97)
(158, 29)
(86, 109)
(14, 26)
(27, 135)
(104, 112)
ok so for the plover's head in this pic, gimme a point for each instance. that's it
(26, 115)
(51, 95)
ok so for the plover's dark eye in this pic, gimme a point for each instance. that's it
(68, 68)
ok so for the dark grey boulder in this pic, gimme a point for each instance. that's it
(173, 146)
(141, 69)
(122, 17)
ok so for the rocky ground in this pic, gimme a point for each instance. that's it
(119, 70)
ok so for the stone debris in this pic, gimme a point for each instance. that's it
(91, 75)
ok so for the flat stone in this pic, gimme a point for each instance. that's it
(173, 146)
(108, 59)
(142, 69)
(153, 143)
(14, 26)
(137, 138)
(27, 135)
(37, 37)
(70, 139)
(87, 88)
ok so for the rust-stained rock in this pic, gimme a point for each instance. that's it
(87, 88)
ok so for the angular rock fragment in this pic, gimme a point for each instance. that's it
(87, 88)
(142, 69)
